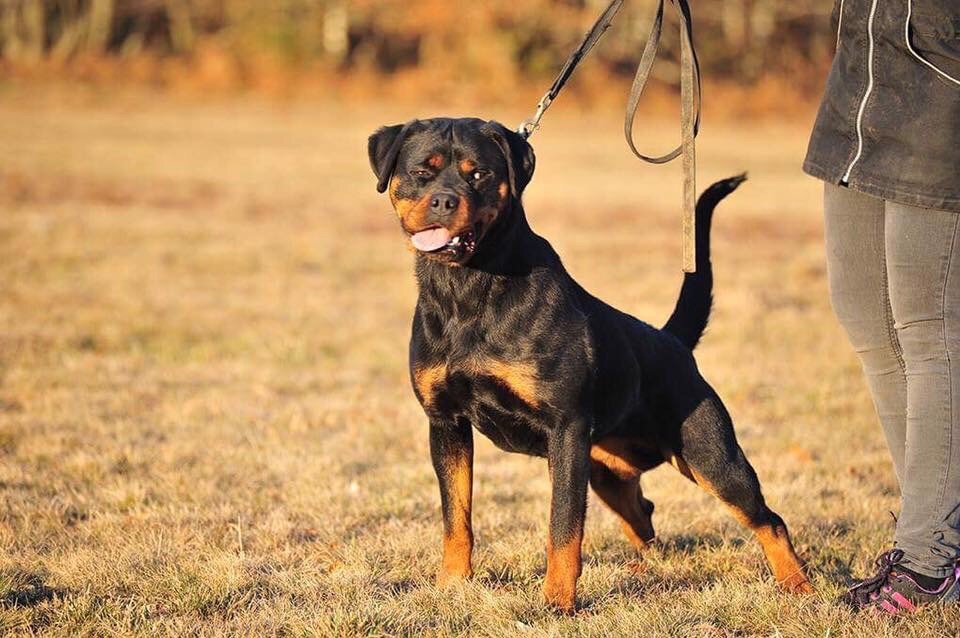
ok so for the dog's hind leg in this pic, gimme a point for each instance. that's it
(626, 500)
(615, 478)
(710, 456)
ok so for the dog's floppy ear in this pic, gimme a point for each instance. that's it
(383, 148)
(519, 155)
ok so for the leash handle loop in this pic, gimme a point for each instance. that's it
(690, 107)
(690, 104)
(689, 69)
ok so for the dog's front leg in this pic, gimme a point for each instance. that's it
(451, 449)
(568, 453)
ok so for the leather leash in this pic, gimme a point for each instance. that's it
(690, 104)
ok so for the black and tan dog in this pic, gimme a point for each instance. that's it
(505, 341)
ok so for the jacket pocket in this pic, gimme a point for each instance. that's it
(934, 19)
(934, 38)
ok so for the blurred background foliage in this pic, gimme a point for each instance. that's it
(497, 43)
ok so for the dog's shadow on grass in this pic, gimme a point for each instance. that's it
(22, 589)
(401, 586)
(827, 560)
(691, 543)
(508, 577)
(650, 569)
(644, 572)
(514, 498)
(659, 570)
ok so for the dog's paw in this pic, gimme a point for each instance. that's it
(561, 598)
(796, 584)
(449, 575)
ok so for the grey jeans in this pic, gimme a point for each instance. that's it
(894, 274)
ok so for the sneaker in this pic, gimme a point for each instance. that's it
(893, 590)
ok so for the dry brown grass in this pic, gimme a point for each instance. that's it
(206, 426)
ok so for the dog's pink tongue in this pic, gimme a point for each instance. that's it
(429, 240)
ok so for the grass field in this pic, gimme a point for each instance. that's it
(206, 426)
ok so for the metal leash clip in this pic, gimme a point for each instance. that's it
(589, 39)
(530, 125)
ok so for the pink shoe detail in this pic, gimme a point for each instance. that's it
(903, 601)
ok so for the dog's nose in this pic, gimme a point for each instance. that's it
(444, 203)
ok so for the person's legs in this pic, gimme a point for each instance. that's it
(923, 262)
(857, 271)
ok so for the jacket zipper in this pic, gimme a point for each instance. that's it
(866, 95)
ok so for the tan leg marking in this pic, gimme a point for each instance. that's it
(625, 499)
(564, 565)
(775, 541)
(458, 539)
(425, 381)
(786, 565)
(683, 468)
(614, 454)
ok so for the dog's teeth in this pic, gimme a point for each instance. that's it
(456, 240)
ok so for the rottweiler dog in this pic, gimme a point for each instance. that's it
(506, 342)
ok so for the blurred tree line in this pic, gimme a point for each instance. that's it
(737, 39)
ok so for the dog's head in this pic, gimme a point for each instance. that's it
(450, 180)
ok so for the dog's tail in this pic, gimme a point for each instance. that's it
(692, 312)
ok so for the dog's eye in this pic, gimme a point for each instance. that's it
(421, 173)
(479, 174)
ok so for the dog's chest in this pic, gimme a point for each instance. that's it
(503, 399)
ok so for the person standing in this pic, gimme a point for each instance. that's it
(886, 144)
